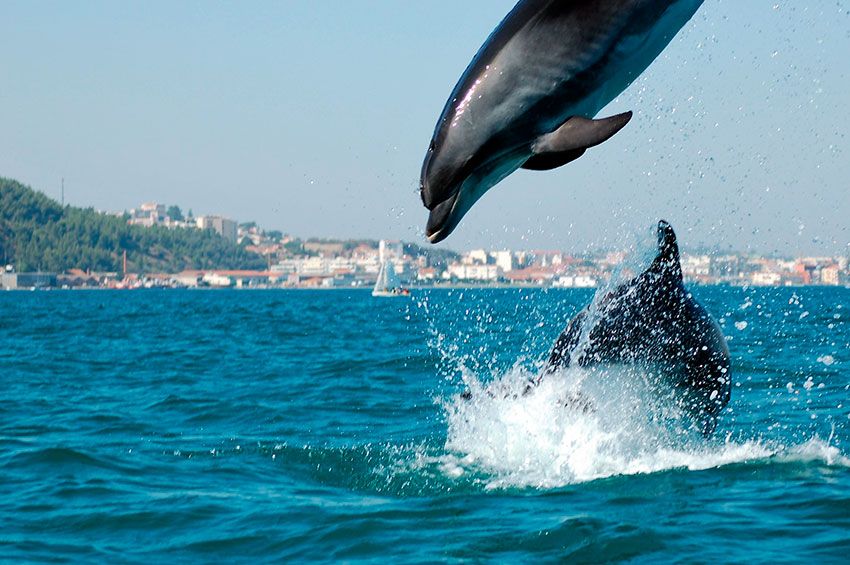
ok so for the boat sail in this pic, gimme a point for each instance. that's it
(388, 283)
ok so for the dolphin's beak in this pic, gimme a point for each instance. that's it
(439, 225)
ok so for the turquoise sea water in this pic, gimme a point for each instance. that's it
(163, 426)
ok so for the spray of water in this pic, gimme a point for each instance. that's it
(546, 439)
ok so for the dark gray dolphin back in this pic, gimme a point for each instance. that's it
(653, 320)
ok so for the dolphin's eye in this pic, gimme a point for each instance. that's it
(432, 146)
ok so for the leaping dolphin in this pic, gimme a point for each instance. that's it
(653, 321)
(528, 97)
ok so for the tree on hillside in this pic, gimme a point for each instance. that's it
(174, 213)
(38, 234)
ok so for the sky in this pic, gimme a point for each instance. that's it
(313, 117)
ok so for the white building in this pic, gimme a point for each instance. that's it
(476, 256)
(766, 278)
(215, 279)
(148, 214)
(504, 260)
(696, 265)
(471, 272)
(578, 281)
(332, 266)
(226, 228)
(829, 275)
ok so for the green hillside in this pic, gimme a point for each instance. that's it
(36, 233)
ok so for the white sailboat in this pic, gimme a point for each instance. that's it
(388, 283)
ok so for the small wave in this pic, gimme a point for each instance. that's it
(815, 450)
(58, 458)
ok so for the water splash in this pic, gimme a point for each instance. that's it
(544, 439)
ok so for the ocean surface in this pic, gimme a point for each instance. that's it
(231, 426)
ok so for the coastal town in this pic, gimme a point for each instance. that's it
(294, 263)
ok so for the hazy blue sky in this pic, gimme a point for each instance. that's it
(313, 117)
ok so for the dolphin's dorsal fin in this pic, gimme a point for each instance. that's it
(667, 261)
(572, 139)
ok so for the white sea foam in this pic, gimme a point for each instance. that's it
(534, 440)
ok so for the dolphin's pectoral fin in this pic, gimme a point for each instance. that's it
(549, 161)
(572, 139)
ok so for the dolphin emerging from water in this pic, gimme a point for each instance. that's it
(654, 322)
(528, 98)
